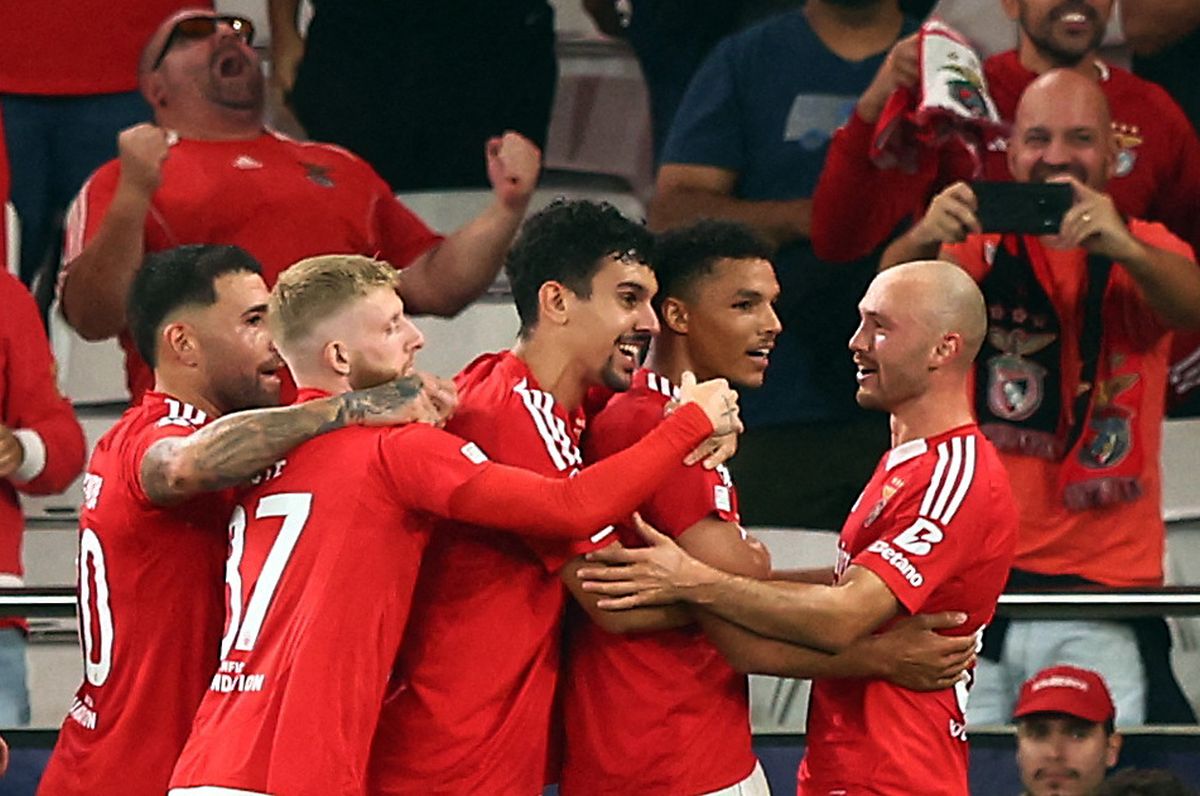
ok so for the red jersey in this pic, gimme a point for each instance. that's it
(937, 523)
(61, 48)
(478, 669)
(150, 608)
(1156, 174)
(653, 713)
(280, 200)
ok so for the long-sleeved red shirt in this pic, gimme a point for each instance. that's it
(31, 405)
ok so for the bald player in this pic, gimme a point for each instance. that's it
(933, 530)
(1070, 390)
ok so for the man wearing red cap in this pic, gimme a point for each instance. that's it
(1065, 738)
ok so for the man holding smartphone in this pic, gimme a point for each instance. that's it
(1069, 387)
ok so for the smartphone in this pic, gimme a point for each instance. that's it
(1029, 208)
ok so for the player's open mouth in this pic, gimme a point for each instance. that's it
(230, 63)
(865, 373)
(632, 347)
(761, 355)
(1075, 21)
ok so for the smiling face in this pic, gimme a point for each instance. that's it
(1062, 31)
(240, 365)
(729, 320)
(1061, 755)
(1062, 126)
(893, 347)
(610, 331)
(221, 68)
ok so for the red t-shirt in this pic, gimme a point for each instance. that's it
(653, 713)
(151, 609)
(938, 524)
(1120, 545)
(324, 555)
(280, 200)
(78, 47)
(477, 672)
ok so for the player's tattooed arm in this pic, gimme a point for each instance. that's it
(241, 445)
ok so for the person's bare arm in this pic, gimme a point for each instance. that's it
(445, 279)
(828, 618)
(685, 193)
(287, 45)
(1169, 282)
(97, 280)
(949, 219)
(238, 446)
(1154, 25)
(638, 620)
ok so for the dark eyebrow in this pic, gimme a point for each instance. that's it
(748, 294)
(635, 286)
(257, 308)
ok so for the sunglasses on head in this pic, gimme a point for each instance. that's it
(197, 28)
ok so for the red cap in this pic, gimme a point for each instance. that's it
(1066, 689)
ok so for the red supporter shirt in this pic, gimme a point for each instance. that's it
(653, 713)
(150, 607)
(1120, 545)
(479, 666)
(1157, 171)
(29, 399)
(78, 47)
(938, 525)
(280, 200)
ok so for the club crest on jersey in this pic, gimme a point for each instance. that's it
(889, 489)
(318, 174)
(1127, 137)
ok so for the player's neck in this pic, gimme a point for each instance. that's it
(669, 359)
(332, 383)
(1037, 62)
(555, 371)
(180, 387)
(933, 413)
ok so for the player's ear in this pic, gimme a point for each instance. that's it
(946, 350)
(674, 315)
(337, 357)
(554, 302)
(178, 340)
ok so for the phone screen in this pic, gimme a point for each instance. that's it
(1031, 208)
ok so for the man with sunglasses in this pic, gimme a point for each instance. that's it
(207, 171)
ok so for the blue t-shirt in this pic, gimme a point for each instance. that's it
(765, 104)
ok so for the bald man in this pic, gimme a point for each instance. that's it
(934, 530)
(1070, 390)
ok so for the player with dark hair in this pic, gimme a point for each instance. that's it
(324, 551)
(680, 696)
(476, 678)
(151, 549)
(934, 530)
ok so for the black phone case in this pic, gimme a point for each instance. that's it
(1022, 207)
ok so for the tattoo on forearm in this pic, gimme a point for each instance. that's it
(384, 400)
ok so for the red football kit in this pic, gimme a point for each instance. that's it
(280, 200)
(653, 713)
(937, 523)
(150, 609)
(477, 673)
(324, 554)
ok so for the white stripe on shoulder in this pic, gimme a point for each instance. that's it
(951, 479)
(936, 481)
(964, 483)
(540, 406)
(182, 414)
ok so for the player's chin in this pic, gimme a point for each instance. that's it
(868, 399)
(617, 379)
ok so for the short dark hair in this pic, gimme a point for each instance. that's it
(685, 255)
(176, 278)
(566, 242)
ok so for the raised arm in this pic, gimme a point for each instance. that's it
(949, 219)
(451, 275)
(1154, 25)
(96, 278)
(287, 45)
(241, 445)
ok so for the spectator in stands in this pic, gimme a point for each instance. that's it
(1070, 389)
(41, 452)
(417, 88)
(67, 86)
(1157, 171)
(208, 172)
(747, 145)
(1165, 38)
(1065, 736)
(1143, 782)
(991, 30)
